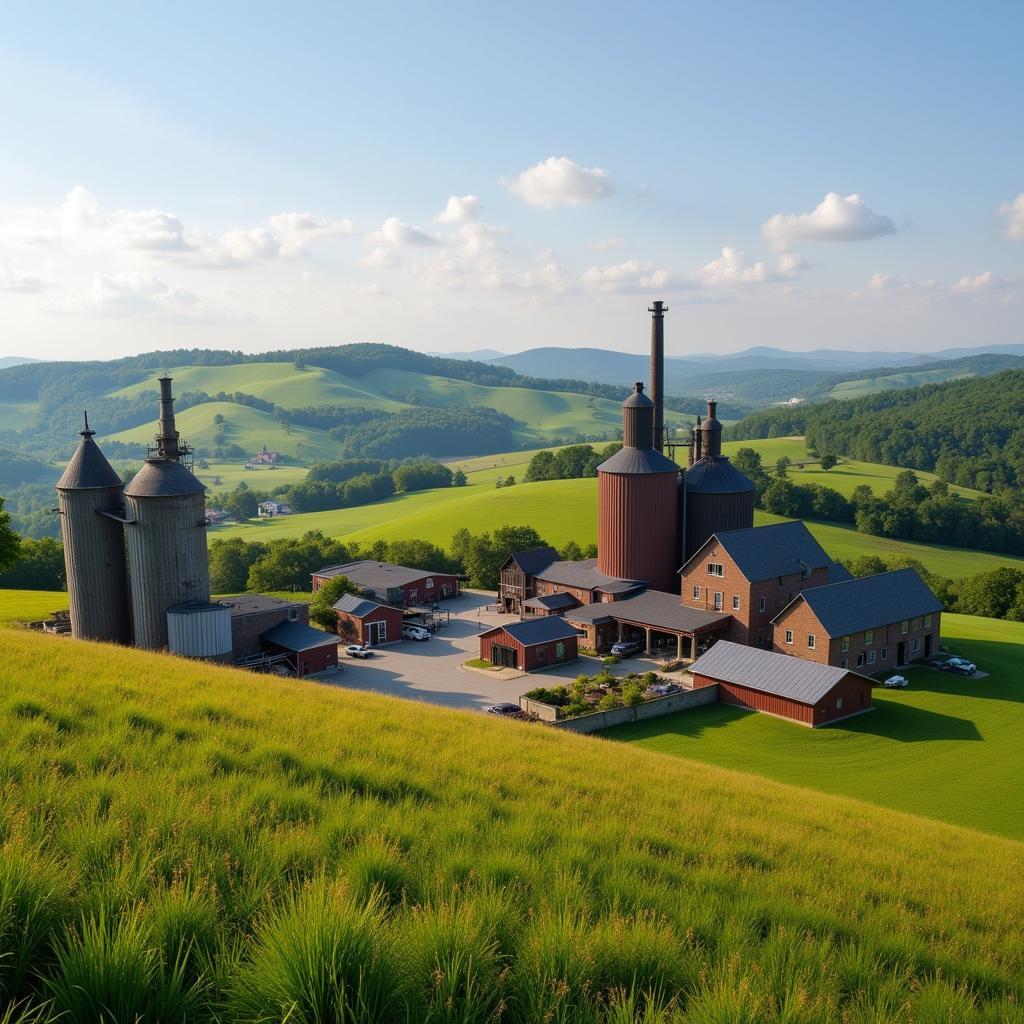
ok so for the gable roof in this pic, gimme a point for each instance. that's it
(355, 605)
(552, 602)
(585, 575)
(297, 636)
(763, 552)
(540, 630)
(867, 602)
(374, 575)
(650, 608)
(534, 560)
(768, 672)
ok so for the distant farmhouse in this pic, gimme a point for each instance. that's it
(265, 458)
(270, 509)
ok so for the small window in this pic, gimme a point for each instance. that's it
(839, 703)
(917, 643)
(869, 637)
(718, 601)
(735, 602)
(810, 641)
(760, 637)
(845, 643)
(789, 636)
(885, 654)
(860, 660)
(293, 614)
(904, 626)
(715, 569)
(927, 622)
(761, 603)
(871, 657)
(413, 596)
(696, 593)
(559, 649)
(916, 624)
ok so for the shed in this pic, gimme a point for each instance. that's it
(779, 684)
(309, 650)
(363, 621)
(532, 644)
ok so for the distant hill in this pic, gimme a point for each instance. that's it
(6, 361)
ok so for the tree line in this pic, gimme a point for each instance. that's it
(570, 463)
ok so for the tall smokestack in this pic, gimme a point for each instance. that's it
(167, 434)
(658, 311)
(698, 438)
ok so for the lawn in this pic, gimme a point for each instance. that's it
(263, 478)
(30, 605)
(947, 748)
(189, 842)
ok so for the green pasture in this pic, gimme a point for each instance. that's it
(947, 747)
(893, 382)
(262, 478)
(30, 605)
(185, 842)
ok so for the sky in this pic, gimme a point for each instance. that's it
(468, 176)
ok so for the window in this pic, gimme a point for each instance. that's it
(715, 569)
(860, 660)
(559, 650)
(839, 703)
(845, 644)
(789, 636)
(869, 637)
(917, 643)
(696, 593)
(843, 663)
(904, 626)
(293, 614)
(735, 602)
(916, 624)
(718, 601)
(760, 637)
(927, 622)
(885, 654)
(810, 641)
(413, 596)
(871, 657)
(761, 602)
(430, 584)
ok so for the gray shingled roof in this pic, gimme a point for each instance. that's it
(715, 474)
(375, 575)
(162, 478)
(297, 636)
(540, 630)
(779, 549)
(585, 575)
(534, 560)
(552, 602)
(250, 604)
(782, 674)
(355, 605)
(651, 608)
(638, 460)
(88, 468)
(868, 602)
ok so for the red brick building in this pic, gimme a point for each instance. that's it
(517, 577)
(873, 623)
(529, 645)
(751, 575)
(777, 684)
(584, 582)
(308, 650)
(362, 621)
(396, 585)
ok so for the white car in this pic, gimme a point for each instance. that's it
(415, 633)
(896, 683)
(359, 651)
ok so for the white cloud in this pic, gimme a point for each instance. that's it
(980, 283)
(395, 233)
(130, 294)
(12, 280)
(633, 276)
(1013, 211)
(547, 276)
(559, 181)
(459, 210)
(606, 244)
(835, 219)
(790, 264)
(306, 226)
(733, 267)
(885, 284)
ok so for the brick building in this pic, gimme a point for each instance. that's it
(363, 621)
(396, 585)
(584, 582)
(875, 622)
(253, 614)
(531, 644)
(777, 684)
(307, 650)
(517, 577)
(752, 574)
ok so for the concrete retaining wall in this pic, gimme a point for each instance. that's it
(620, 716)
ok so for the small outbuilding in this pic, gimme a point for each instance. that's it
(308, 650)
(363, 621)
(534, 643)
(396, 585)
(778, 684)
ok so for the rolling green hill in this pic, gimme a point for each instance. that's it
(894, 382)
(218, 845)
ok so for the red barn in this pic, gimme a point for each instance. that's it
(363, 621)
(532, 644)
(778, 684)
(396, 585)
(309, 650)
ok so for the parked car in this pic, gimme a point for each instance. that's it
(509, 710)
(938, 660)
(662, 689)
(415, 633)
(896, 683)
(960, 667)
(624, 648)
(359, 651)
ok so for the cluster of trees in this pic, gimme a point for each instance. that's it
(473, 431)
(570, 463)
(969, 432)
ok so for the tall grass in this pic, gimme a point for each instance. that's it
(180, 842)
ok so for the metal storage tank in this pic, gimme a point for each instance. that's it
(166, 529)
(94, 557)
(637, 503)
(199, 629)
(718, 495)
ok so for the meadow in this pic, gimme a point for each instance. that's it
(189, 842)
(947, 747)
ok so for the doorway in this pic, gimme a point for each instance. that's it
(505, 657)
(901, 653)
(377, 633)
(928, 645)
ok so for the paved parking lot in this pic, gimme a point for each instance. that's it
(431, 670)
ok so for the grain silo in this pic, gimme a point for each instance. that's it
(90, 500)
(166, 530)
(637, 503)
(718, 496)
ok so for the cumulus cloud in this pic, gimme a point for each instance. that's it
(397, 234)
(130, 294)
(633, 276)
(980, 283)
(559, 181)
(459, 210)
(835, 219)
(733, 267)
(12, 280)
(790, 264)
(880, 284)
(307, 227)
(1013, 211)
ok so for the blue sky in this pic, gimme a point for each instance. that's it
(255, 176)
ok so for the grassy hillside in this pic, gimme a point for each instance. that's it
(182, 841)
(947, 747)
(894, 382)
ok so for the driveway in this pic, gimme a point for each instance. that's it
(431, 670)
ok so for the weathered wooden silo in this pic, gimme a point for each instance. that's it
(90, 500)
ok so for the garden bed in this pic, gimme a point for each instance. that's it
(600, 692)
